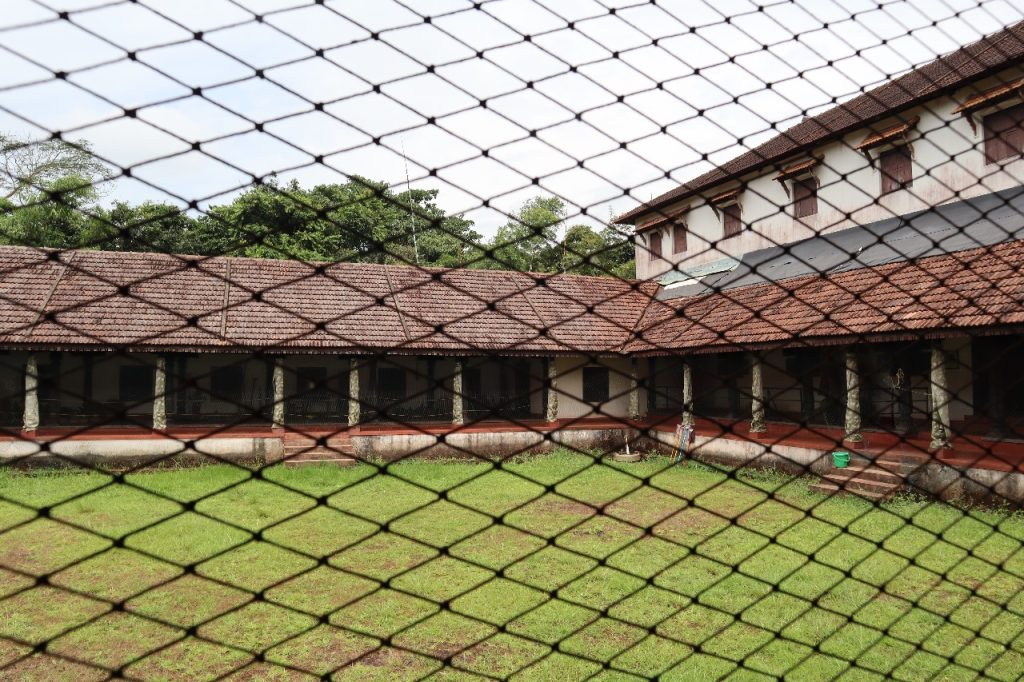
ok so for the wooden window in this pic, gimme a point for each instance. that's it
(805, 197)
(1004, 134)
(135, 383)
(654, 241)
(595, 384)
(897, 169)
(731, 220)
(678, 238)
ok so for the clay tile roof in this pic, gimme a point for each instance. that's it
(145, 301)
(982, 287)
(943, 75)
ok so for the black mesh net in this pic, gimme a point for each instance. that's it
(511, 339)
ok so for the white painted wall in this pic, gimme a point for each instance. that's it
(570, 387)
(949, 165)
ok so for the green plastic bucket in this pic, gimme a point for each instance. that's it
(840, 459)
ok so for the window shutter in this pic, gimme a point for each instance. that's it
(731, 220)
(678, 238)
(896, 168)
(1004, 134)
(805, 197)
(655, 244)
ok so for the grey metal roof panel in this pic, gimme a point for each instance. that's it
(956, 226)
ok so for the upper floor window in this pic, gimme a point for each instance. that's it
(805, 186)
(678, 238)
(1004, 134)
(726, 205)
(731, 220)
(805, 197)
(897, 169)
(654, 243)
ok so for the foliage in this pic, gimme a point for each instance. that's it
(51, 201)
(28, 167)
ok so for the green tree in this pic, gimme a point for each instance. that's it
(529, 242)
(617, 256)
(53, 217)
(581, 251)
(361, 220)
(145, 227)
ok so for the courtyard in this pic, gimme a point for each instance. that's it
(557, 567)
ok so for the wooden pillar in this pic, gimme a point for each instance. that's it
(758, 424)
(940, 398)
(634, 389)
(551, 403)
(30, 419)
(277, 385)
(687, 394)
(458, 404)
(160, 394)
(852, 421)
(353, 392)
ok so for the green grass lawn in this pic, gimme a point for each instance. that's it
(553, 568)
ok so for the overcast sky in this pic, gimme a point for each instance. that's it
(596, 101)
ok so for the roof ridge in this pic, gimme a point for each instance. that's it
(49, 295)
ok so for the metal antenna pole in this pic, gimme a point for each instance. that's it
(408, 195)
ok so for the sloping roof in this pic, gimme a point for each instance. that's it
(945, 74)
(980, 287)
(144, 301)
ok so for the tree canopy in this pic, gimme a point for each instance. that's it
(49, 200)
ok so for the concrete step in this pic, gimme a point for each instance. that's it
(315, 456)
(866, 471)
(830, 488)
(332, 446)
(861, 482)
(339, 462)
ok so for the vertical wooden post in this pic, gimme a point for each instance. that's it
(852, 421)
(940, 398)
(758, 424)
(551, 407)
(353, 392)
(160, 394)
(634, 389)
(277, 383)
(458, 405)
(687, 394)
(30, 420)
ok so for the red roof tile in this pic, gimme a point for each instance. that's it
(155, 301)
(982, 287)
